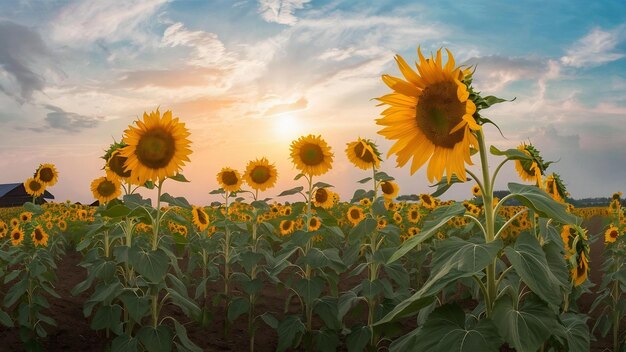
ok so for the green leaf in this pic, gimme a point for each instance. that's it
(446, 330)
(326, 340)
(33, 208)
(310, 289)
(346, 302)
(318, 259)
(358, 338)
(179, 178)
(124, 343)
(5, 319)
(217, 191)
(178, 201)
(237, 307)
(270, 320)
(292, 191)
(444, 185)
(382, 176)
(288, 330)
(157, 339)
(153, 265)
(116, 211)
(108, 317)
(575, 331)
(137, 307)
(322, 185)
(557, 264)
(433, 222)
(365, 180)
(513, 154)
(526, 328)
(530, 263)
(541, 202)
(470, 256)
(181, 333)
(327, 310)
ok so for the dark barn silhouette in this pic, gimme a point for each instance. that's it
(14, 195)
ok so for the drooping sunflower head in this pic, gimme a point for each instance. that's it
(39, 236)
(364, 154)
(47, 174)
(476, 192)
(157, 148)
(430, 116)
(390, 189)
(34, 187)
(555, 187)
(3, 229)
(260, 174)
(311, 155)
(323, 198)
(105, 189)
(200, 218)
(229, 179)
(616, 196)
(115, 166)
(530, 170)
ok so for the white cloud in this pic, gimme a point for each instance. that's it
(280, 11)
(208, 49)
(85, 21)
(595, 48)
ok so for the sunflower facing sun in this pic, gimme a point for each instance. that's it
(430, 116)
(229, 179)
(105, 189)
(364, 154)
(34, 187)
(311, 155)
(260, 174)
(47, 174)
(157, 148)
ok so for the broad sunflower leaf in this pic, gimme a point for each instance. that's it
(157, 339)
(365, 180)
(530, 263)
(447, 329)
(175, 201)
(292, 191)
(433, 222)
(542, 203)
(153, 265)
(574, 331)
(514, 154)
(525, 328)
(444, 185)
(469, 256)
(322, 185)
(179, 178)
(288, 331)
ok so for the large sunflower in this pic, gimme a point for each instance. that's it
(105, 189)
(430, 116)
(229, 179)
(555, 187)
(115, 166)
(34, 187)
(323, 198)
(260, 174)
(47, 174)
(311, 155)
(200, 218)
(157, 148)
(364, 154)
(39, 236)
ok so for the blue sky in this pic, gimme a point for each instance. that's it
(250, 76)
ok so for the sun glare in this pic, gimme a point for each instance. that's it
(286, 126)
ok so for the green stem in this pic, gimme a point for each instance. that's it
(616, 315)
(506, 224)
(155, 237)
(489, 222)
(375, 183)
(493, 178)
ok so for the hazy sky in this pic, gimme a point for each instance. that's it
(250, 76)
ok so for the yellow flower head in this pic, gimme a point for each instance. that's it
(200, 218)
(157, 148)
(260, 174)
(47, 174)
(323, 198)
(311, 155)
(390, 189)
(39, 236)
(364, 154)
(611, 234)
(17, 236)
(105, 189)
(355, 215)
(430, 116)
(34, 187)
(229, 179)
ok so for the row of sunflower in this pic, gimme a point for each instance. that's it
(411, 257)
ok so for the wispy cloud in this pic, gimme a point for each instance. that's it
(596, 48)
(23, 58)
(282, 108)
(59, 119)
(280, 11)
(85, 21)
(207, 48)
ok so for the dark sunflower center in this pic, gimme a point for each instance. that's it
(229, 178)
(311, 154)
(46, 175)
(260, 174)
(201, 217)
(38, 235)
(438, 111)
(321, 195)
(363, 154)
(426, 199)
(313, 222)
(116, 164)
(34, 186)
(106, 188)
(386, 187)
(613, 234)
(16, 235)
(286, 225)
(354, 214)
(156, 148)
(413, 214)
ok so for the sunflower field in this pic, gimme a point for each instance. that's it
(379, 271)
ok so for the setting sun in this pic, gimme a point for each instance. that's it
(287, 126)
